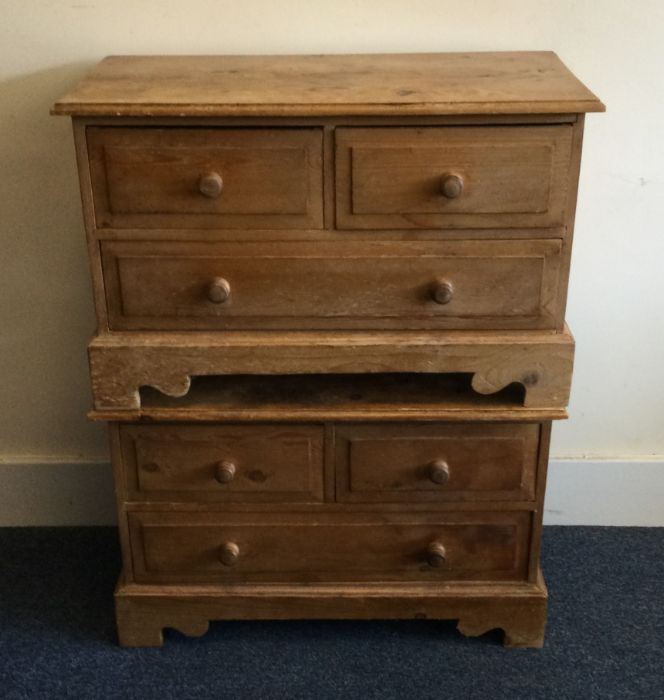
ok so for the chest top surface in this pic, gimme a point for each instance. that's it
(328, 85)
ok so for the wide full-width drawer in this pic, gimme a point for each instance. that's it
(403, 462)
(206, 178)
(289, 285)
(443, 177)
(212, 547)
(230, 463)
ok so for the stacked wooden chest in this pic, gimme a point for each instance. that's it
(330, 294)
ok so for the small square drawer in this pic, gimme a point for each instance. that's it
(447, 177)
(206, 178)
(173, 547)
(386, 462)
(169, 285)
(223, 463)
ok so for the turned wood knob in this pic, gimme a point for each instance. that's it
(436, 555)
(225, 471)
(439, 472)
(218, 290)
(210, 185)
(442, 291)
(229, 553)
(451, 185)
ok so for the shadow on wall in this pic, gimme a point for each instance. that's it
(46, 304)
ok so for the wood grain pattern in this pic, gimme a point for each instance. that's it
(507, 176)
(496, 284)
(403, 84)
(121, 363)
(184, 547)
(266, 178)
(383, 464)
(280, 463)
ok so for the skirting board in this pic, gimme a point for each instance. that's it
(579, 492)
(605, 492)
(56, 492)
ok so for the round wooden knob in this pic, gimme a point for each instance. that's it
(225, 472)
(218, 290)
(436, 556)
(210, 185)
(439, 472)
(229, 553)
(451, 185)
(442, 291)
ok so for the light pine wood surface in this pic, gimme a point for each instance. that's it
(143, 611)
(226, 463)
(336, 285)
(403, 84)
(411, 463)
(290, 548)
(143, 284)
(216, 178)
(330, 294)
(122, 363)
(447, 177)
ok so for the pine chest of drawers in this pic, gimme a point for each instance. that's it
(330, 294)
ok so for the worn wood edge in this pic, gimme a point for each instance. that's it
(517, 413)
(110, 109)
(540, 490)
(94, 251)
(570, 217)
(330, 508)
(121, 363)
(121, 495)
(464, 589)
(259, 339)
(332, 122)
(331, 234)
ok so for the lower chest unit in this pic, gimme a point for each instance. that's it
(283, 520)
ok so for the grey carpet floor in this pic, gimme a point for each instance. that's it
(605, 636)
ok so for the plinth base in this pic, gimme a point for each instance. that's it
(519, 609)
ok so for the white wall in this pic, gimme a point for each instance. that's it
(616, 290)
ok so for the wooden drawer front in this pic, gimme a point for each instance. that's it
(187, 547)
(149, 177)
(492, 284)
(436, 462)
(232, 463)
(397, 177)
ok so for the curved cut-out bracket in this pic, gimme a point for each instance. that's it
(142, 623)
(175, 385)
(490, 384)
(526, 632)
(121, 363)
(191, 626)
(531, 378)
(149, 632)
(475, 628)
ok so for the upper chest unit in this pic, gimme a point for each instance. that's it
(330, 192)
